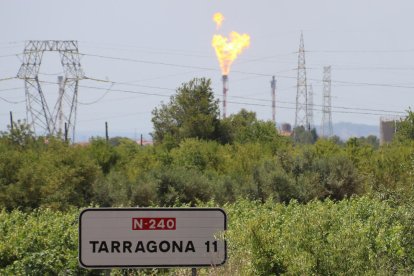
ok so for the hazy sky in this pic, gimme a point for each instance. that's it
(369, 45)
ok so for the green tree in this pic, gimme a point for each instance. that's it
(19, 135)
(103, 153)
(336, 139)
(191, 113)
(303, 136)
(371, 140)
(405, 128)
(244, 127)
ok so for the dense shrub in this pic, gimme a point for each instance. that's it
(255, 163)
(43, 242)
(45, 174)
(59, 175)
(360, 236)
(357, 236)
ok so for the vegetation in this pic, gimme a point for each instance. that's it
(192, 112)
(297, 205)
(405, 128)
(353, 237)
(51, 173)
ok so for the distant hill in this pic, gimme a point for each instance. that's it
(343, 129)
(84, 136)
(346, 130)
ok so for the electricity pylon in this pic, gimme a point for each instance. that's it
(40, 116)
(326, 128)
(301, 115)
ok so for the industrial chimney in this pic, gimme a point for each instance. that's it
(225, 90)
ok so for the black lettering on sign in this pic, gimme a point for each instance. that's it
(152, 246)
(139, 247)
(147, 247)
(189, 247)
(103, 247)
(177, 247)
(164, 246)
(115, 246)
(127, 245)
(94, 243)
(207, 243)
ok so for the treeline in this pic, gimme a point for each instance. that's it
(39, 172)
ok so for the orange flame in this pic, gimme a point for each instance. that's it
(218, 18)
(227, 51)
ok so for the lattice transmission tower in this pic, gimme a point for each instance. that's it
(310, 107)
(301, 115)
(43, 119)
(326, 128)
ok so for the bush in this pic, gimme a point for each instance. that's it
(179, 185)
(360, 236)
(43, 242)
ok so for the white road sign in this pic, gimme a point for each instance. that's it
(152, 237)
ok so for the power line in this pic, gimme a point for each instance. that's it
(183, 52)
(319, 105)
(99, 99)
(9, 78)
(152, 51)
(249, 73)
(170, 89)
(11, 55)
(12, 102)
(253, 104)
(112, 117)
(126, 91)
(293, 108)
(129, 84)
(12, 42)
(362, 51)
(13, 88)
(384, 68)
(239, 97)
(136, 47)
(150, 62)
(367, 110)
(376, 112)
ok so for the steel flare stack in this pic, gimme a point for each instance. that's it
(225, 89)
(227, 50)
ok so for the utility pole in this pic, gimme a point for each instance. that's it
(301, 115)
(11, 121)
(106, 132)
(40, 116)
(327, 129)
(66, 132)
(273, 87)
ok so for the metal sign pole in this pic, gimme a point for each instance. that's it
(194, 271)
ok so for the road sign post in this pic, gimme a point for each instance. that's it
(152, 237)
